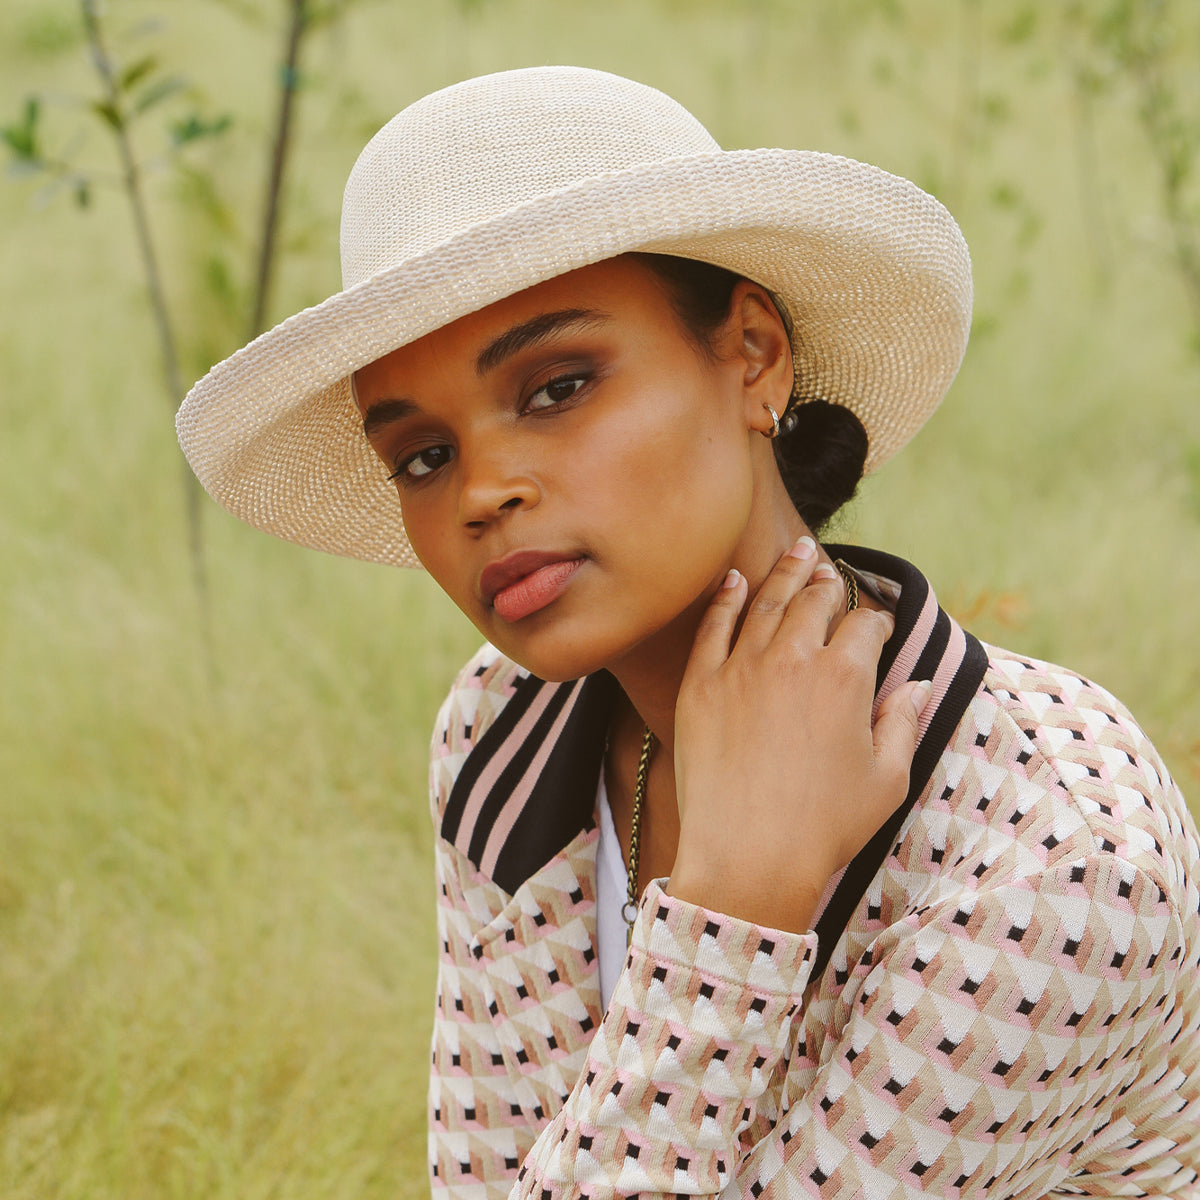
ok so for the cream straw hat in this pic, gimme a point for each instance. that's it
(493, 185)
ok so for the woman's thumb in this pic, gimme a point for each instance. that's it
(898, 724)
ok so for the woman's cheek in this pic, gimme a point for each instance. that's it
(429, 536)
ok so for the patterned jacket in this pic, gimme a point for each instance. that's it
(1001, 998)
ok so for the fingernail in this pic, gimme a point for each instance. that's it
(804, 548)
(731, 580)
(825, 571)
(920, 695)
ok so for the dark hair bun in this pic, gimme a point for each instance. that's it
(821, 451)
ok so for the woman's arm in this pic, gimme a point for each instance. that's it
(703, 1016)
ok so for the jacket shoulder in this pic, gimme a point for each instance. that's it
(476, 698)
(1103, 763)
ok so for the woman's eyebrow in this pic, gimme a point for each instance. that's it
(385, 412)
(510, 342)
(530, 332)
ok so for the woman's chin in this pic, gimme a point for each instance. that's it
(552, 667)
(550, 650)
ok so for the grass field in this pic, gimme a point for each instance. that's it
(215, 894)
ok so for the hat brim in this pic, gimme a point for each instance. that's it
(874, 271)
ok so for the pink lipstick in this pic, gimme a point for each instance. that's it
(526, 582)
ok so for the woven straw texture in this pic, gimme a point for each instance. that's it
(493, 185)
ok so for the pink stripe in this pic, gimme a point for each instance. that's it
(910, 652)
(827, 895)
(952, 659)
(491, 773)
(515, 804)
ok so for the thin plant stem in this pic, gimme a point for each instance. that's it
(168, 351)
(288, 79)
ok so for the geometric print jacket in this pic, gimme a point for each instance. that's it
(1001, 998)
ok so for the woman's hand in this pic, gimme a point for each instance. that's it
(780, 777)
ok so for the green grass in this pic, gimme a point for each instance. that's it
(215, 895)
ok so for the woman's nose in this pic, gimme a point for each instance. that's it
(492, 486)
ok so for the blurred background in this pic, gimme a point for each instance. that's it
(216, 952)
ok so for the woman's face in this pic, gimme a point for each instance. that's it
(573, 470)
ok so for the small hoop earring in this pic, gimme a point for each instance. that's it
(774, 422)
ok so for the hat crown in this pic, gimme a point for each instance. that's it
(481, 148)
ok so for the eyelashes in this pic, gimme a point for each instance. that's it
(558, 391)
(422, 463)
(555, 394)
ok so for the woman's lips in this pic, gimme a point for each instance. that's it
(526, 587)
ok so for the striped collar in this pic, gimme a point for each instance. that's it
(529, 786)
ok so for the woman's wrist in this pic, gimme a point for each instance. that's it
(784, 899)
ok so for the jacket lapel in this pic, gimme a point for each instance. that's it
(927, 643)
(529, 786)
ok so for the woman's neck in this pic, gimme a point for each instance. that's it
(651, 673)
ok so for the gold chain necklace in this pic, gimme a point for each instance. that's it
(629, 909)
(851, 584)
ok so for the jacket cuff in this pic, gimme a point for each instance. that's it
(751, 958)
(703, 1016)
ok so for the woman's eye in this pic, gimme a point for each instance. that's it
(555, 392)
(423, 463)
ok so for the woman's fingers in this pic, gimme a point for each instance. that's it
(715, 635)
(795, 604)
(795, 573)
(781, 775)
(897, 728)
(805, 626)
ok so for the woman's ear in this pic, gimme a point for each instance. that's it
(757, 339)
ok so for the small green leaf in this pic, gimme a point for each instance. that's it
(136, 72)
(193, 127)
(21, 136)
(157, 92)
(108, 113)
(83, 193)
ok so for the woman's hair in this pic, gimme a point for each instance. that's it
(821, 448)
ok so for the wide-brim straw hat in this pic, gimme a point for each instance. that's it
(488, 187)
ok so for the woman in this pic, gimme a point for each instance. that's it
(904, 913)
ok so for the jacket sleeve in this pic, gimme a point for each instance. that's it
(703, 1016)
(1000, 1044)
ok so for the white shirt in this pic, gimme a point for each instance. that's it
(612, 890)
